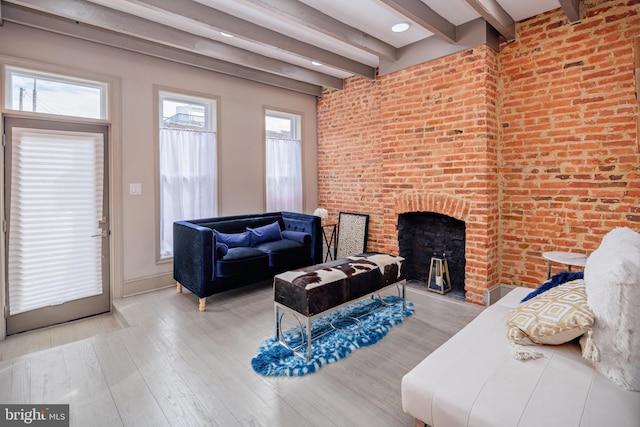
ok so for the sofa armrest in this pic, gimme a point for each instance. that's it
(193, 256)
(297, 236)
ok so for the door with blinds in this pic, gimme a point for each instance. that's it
(57, 245)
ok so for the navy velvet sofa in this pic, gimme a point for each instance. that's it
(218, 254)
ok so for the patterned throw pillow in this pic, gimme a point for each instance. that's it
(554, 317)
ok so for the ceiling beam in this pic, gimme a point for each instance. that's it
(28, 17)
(221, 21)
(495, 15)
(318, 21)
(573, 9)
(426, 17)
(110, 19)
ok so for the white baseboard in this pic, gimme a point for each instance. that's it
(147, 284)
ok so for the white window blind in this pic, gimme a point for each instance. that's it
(56, 202)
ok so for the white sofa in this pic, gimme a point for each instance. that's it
(473, 380)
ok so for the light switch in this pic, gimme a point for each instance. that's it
(135, 189)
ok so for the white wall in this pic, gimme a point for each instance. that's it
(240, 138)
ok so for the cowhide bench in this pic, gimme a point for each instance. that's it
(317, 289)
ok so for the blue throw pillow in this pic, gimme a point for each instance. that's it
(266, 233)
(558, 279)
(233, 240)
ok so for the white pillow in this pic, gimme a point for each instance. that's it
(612, 280)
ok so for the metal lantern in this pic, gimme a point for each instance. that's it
(439, 279)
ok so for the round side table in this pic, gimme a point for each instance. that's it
(567, 258)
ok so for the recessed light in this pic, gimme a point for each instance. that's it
(316, 63)
(400, 27)
(226, 34)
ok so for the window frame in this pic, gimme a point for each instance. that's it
(16, 70)
(295, 118)
(160, 94)
(209, 105)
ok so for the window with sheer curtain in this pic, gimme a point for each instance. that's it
(188, 162)
(283, 161)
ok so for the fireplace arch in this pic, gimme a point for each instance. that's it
(445, 204)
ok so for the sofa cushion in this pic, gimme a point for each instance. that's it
(612, 280)
(233, 240)
(285, 252)
(266, 233)
(555, 317)
(241, 260)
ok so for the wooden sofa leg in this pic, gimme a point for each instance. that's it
(202, 304)
(178, 287)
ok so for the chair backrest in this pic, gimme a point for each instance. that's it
(353, 229)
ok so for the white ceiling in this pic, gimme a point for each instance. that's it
(274, 41)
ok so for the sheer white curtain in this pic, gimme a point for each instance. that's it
(284, 175)
(187, 179)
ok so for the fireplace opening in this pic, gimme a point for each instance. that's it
(423, 235)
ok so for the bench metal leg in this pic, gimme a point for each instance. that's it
(305, 335)
(277, 311)
(309, 338)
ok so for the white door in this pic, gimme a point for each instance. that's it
(57, 245)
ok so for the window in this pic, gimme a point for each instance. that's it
(283, 161)
(187, 162)
(47, 93)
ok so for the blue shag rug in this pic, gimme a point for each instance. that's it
(274, 359)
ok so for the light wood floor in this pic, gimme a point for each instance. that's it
(172, 365)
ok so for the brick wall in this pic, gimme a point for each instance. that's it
(568, 135)
(535, 147)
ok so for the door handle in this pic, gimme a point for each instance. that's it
(103, 233)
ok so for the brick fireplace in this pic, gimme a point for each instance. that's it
(534, 148)
(424, 235)
(480, 248)
(431, 147)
